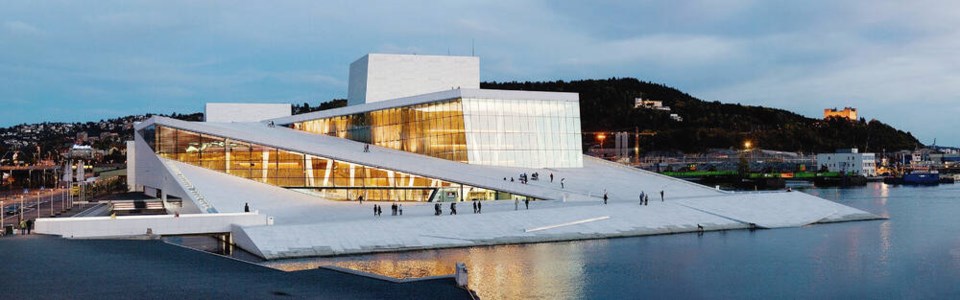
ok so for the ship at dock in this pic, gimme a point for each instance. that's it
(919, 177)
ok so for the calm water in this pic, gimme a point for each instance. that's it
(914, 254)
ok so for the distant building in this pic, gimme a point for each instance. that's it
(847, 113)
(849, 161)
(108, 135)
(676, 117)
(82, 152)
(649, 104)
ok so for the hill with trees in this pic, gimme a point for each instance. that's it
(608, 106)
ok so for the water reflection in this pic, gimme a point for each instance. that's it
(535, 270)
(914, 254)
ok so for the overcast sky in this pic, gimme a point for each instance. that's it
(898, 62)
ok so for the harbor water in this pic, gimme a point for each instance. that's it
(913, 254)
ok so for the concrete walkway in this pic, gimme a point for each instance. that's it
(307, 225)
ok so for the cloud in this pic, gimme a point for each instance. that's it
(175, 55)
(21, 28)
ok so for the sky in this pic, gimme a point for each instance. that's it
(895, 61)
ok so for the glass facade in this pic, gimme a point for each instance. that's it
(500, 132)
(523, 133)
(434, 129)
(329, 178)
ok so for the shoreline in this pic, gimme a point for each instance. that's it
(557, 240)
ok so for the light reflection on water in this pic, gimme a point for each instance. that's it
(914, 254)
(506, 269)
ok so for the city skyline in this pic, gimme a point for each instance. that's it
(89, 61)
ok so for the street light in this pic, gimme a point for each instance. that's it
(601, 137)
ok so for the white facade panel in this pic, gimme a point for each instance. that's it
(245, 112)
(378, 77)
(132, 167)
(522, 133)
(857, 163)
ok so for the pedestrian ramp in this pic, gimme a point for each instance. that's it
(128, 226)
(766, 210)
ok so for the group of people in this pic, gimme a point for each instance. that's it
(395, 210)
(477, 206)
(516, 203)
(26, 226)
(645, 198)
(535, 176)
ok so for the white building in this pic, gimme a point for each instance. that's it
(378, 77)
(424, 141)
(649, 104)
(849, 161)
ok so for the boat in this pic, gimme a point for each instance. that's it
(916, 178)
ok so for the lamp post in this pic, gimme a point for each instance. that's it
(601, 137)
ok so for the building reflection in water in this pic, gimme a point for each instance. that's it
(505, 271)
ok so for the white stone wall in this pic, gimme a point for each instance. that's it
(151, 175)
(245, 112)
(137, 225)
(132, 167)
(378, 77)
(859, 163)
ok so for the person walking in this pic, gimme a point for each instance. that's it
(526, 202)
(646, 199)
(551, 177)
(661, 195)
(453, 208)
(360, 198)
(246, 207)
(641, 197)
(400, 208)
(604, 198)
(561, 182)
(516, 204)
(479, 207)
(23, 227)
(474, 206)
(374, 210)
(30, 223)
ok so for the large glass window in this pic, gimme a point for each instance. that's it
(330, 178)
(506, 132)
(434, 129)
(523, 133)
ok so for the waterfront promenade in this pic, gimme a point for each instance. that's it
(44, 267)
(306, 225)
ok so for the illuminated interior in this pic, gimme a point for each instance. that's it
(316, 175)
(500, 132)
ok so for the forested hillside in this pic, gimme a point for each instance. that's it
(608, 105)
